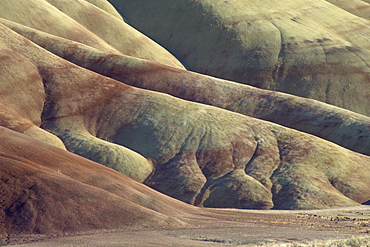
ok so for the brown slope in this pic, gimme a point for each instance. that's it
(85, 23)
(48, 18)
(22, 96)
(47, 190)
(115, 32)
(310, 48)
(337, 125)
(23, 107)
(202, 154)
(106, 6)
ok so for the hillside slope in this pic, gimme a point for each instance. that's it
(314, 49)
(69, 84)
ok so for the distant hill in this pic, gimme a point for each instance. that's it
(315, 49)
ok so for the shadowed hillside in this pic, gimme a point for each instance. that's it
(316, 49)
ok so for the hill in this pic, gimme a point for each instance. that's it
(103, 128)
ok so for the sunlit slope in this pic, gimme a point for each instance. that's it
(84, 22)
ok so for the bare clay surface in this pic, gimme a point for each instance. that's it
(229, 228)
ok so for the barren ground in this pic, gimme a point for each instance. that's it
(226, 228)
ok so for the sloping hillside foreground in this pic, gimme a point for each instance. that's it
(119, 99)
(50, 194)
